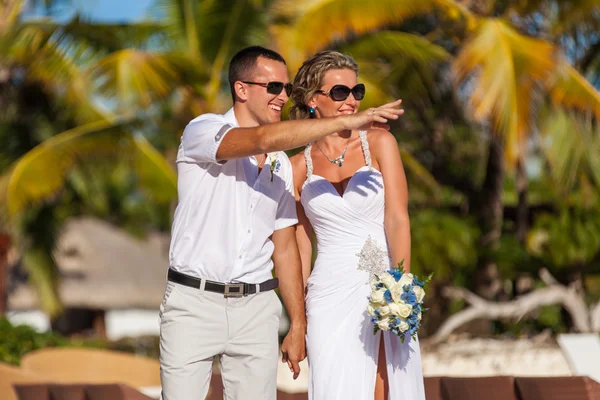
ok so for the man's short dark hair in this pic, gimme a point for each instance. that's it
(241, 66)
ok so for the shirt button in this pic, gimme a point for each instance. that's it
(240, 257)
(249, 231)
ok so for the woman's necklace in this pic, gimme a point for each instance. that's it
(339, 160)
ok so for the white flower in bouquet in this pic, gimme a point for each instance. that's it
(419, 292)
(397, 291)
(377, 297)
(403, 326)
(396, 302)
(385, 311)
(384, 324)
(370, 309)
(388, 281)
(407, 279)
(405, 310)
(400, 310)
(394, 309)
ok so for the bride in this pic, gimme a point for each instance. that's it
(351, 190)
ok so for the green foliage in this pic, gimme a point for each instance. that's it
(571, 239)
(16, 341)
(442, 243)
(512, 258)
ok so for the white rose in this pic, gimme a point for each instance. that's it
(419, 292)
(377, 297)
(419, 317)
(397, 291)
(370, 310)
(394, 309)
(373, 286)
(404, 310)
(403, 326)
(384, 324)
(388, 280)
(407, 279)
(384, 311)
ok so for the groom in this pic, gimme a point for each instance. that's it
(234, 222)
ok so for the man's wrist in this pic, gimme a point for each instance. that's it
(343, 120)
(298, 325)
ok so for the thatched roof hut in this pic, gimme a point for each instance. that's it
(103, 267)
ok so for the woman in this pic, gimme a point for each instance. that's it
(350, 186)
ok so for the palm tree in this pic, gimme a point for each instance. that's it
(60, 62)
(503, 75)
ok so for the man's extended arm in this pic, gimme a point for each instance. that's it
(210, 139)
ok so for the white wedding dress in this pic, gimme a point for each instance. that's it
(342, 350)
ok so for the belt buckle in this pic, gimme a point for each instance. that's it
(234, 290)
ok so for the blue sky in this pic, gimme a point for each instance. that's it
(102, 10)
(114, 10)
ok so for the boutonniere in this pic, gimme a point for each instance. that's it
(275, 164)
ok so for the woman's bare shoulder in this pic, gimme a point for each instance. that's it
(380, 137)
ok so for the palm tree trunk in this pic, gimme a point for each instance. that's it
(522, 207)
(490, 210)
(4, 246)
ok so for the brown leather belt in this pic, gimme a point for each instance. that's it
(227, 289)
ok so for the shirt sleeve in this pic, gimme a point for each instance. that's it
(202, 137)
(286, 209)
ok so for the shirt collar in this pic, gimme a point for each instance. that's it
(230, 117)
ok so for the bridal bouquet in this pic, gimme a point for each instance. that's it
(396, 302)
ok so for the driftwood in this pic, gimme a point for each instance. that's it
(585, 319)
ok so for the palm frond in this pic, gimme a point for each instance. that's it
(136, 77)
(502, 73)
(572, 90)
(572, 149)
(9, 15)
(181, 18)
(404, 63)
(40, 173)
(392, 44)
(52, 62)
(42, 271)
(419, 176)
(329, 20)
(572, 13)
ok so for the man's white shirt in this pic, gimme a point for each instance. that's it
(227, 211)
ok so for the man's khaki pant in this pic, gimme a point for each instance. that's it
(196, 326)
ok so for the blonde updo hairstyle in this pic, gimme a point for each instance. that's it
(310, 76)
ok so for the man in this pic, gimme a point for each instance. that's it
(234, 221)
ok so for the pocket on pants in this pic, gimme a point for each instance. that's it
(168, 291)
(278, 305)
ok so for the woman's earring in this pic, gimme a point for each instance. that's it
(311, 112)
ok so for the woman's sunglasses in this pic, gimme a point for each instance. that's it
(274, 87)
(341, 92)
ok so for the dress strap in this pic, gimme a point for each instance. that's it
(365, 147)
(309, 164)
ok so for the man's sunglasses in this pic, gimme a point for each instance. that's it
(341, 92)
(274, 87)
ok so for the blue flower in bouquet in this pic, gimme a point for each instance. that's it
(395, 303)
(409, 297)
(417, 282)
(396, 273)
(387, 296)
